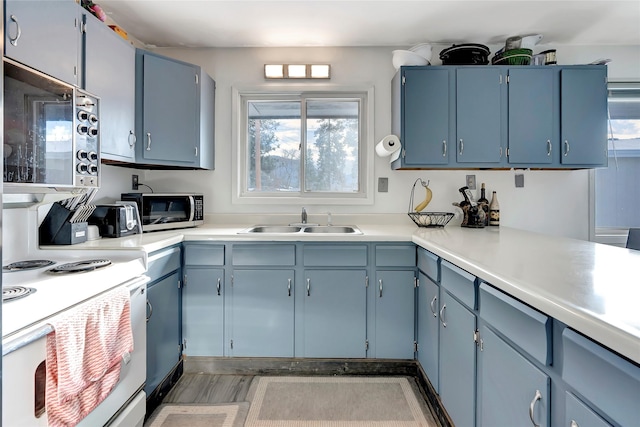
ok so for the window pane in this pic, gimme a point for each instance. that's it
(331, 158)
(273, 146)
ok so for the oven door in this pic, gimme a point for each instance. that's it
(24, 373)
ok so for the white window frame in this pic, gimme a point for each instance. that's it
(239, 174)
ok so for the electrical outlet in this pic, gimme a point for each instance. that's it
(134, 182)
(471, 182)
(519, 180)
(383, 185)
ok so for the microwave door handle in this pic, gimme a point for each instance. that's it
(192, 204)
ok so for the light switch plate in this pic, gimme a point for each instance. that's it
(383, 185)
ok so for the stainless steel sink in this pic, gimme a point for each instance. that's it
(273, 229)
(341, 229)
(288, 229)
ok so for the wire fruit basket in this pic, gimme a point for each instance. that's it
(427, 219)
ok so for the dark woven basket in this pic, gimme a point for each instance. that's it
(513, 57)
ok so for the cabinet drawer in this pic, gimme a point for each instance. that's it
(263, 254)
(395, 256)
(605, 379)
(335, 255)
(163, 262)
(577, 413)
(459, 283)
(428, 264)
(527, 328)
(203, 254)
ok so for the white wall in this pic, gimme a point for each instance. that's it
(554, 202)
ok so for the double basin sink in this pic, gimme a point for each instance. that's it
(289, 229)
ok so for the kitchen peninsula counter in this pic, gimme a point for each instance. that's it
(590, 287)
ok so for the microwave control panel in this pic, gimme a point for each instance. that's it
(87, 158)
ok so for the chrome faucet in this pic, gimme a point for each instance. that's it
(303, 216)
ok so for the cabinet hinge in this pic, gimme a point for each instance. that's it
(179, 284)
(231, 342)
(366, 345)
(415, 346)
(478, 339)
(83, 28)
(404, 153)
(415, 282)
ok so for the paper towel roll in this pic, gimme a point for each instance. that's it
(389, 146)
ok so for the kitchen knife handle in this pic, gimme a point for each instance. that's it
(148, 141)
(532, 405)
(218, 285)
(308, 287)
(442, 319)
(433, 310)
(14, 41)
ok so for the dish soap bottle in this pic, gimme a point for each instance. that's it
(484, 203)
(494, 210)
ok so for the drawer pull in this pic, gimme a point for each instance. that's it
(148, 141)
(150, 310)
(14, 41)
(380, 282)
(289, 286)
(566, 147)
(444, 148)
(548, 147)
(218, 286)
(532, 405)
(308, 287)
(432, 305)
(461, 146)
(131, 139)
(442, 319)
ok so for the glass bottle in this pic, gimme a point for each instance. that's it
(494, 210)
(484, 203)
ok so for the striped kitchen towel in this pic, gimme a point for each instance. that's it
(83, 355)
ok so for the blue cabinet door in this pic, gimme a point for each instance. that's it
(262, 313)
(479, 124)
(512, 391)
(457, 361)
(107, 55)
(394, 315)
(428, 328)
(333, 314)
(532, 115)
(44, 35)
(203, 311)
(583, 116)
(169, 112)
(425, 131)
(163, 329)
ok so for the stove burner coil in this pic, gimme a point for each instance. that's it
(10, 293)
(28, 265)
(80, 266)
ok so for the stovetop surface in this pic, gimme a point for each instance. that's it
(56, 292)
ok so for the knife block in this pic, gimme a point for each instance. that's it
(57, 228)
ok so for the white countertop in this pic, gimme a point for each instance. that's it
(591, 287)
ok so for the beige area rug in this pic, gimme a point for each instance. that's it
(196, 415)
(335, 402)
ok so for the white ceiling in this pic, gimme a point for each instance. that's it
(240, 23)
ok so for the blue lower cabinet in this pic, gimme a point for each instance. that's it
(578, 414)
(203, 311)
(261, 313)
(511, 390)
(163, 329)
(332, 318)
(457, 361)
(394, 336)
(428, 328)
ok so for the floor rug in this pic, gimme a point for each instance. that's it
(335, 401)
(181, 415)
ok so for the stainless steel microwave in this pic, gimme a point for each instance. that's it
(51, 133)
(165, 211)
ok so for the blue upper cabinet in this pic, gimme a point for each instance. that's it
(500, 116)
(479, 115)
(583, 97)
(171, 95)
(44, 35)
(533, 116)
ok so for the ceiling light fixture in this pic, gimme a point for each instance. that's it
(297, 71)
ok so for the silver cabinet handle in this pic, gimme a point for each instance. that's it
(308, 287)
(196, 151)
(442, 319)
(380, 284)
(573, 424)
(131, 139)
(14, 41)
(433, 302)
(548, 147)
(218, 286)
(444, 148)
(532, 405)
(150, 311)
(289, 287)
(566, 147)
(461, 146)
(148, 141)
(500, 153)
